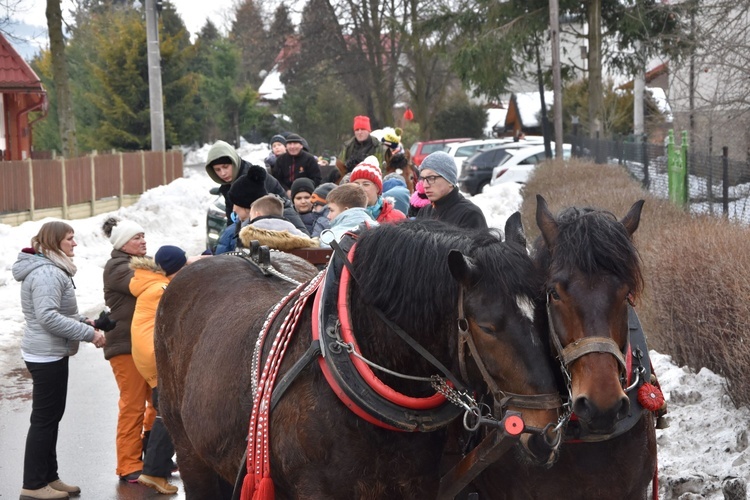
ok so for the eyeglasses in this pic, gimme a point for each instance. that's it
(430, 179)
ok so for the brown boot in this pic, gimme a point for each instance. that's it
(58, 485)
(160, 484)
(45, 493)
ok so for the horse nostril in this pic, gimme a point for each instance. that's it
(582, 408)
(624, 408)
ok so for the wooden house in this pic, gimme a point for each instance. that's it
(21, 92)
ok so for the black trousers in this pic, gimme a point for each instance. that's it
(158, 460)
(49, 395)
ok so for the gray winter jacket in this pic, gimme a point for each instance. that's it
(53, 325)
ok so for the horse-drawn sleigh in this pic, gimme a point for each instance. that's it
(354, 379)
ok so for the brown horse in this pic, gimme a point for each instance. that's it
(593, 276)
(401, 163)
(415, 275)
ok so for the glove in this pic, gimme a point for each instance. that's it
(103, 322)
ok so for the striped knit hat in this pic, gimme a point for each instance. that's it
(368, 169)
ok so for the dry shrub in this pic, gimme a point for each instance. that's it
(696, 305)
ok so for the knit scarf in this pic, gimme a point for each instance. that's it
(374, 210)
(62, 261)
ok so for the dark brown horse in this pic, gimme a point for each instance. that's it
(401, 163)
(409, 274)
(593, 276)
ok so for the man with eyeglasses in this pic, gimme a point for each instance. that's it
(439, 175)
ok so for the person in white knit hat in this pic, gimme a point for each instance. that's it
(369, 177)
(136, 416)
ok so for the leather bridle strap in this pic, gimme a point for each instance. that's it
(532, 402)
(581, 347)
(419, 349)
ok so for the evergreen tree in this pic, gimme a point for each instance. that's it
(249, 35)
(281, 29)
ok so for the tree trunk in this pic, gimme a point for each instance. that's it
(596, 96)
(66, 118)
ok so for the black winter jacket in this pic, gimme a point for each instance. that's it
(454, 209)
(288, 168)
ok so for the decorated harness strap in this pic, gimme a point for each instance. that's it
(258, 484)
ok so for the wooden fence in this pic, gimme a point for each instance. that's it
(81, 187)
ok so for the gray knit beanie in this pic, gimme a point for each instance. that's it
(442, 164)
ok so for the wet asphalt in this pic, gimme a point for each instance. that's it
(86, 443)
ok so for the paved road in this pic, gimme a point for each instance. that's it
(86, 445)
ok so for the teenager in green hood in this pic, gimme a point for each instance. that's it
(224, 166)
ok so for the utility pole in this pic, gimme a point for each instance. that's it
(554, 29)
(639, 90)
(154, 78)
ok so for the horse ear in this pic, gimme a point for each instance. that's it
(462, 267)
(514, 229)
(546, 222)
(633, 217)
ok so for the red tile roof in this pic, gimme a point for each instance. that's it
(15, 73)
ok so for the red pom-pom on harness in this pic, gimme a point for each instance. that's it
(650, 397)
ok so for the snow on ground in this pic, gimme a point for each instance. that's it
(705, 447)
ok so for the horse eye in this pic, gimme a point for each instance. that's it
(488, 329)
(553, 293)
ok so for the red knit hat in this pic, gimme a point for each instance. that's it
(362, 122)
(370, 170)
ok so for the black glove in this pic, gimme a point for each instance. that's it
(103, 322)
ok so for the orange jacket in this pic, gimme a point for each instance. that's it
(147, 285)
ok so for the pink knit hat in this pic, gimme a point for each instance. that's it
(368, 169)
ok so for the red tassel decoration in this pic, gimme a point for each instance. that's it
(265, 490)
(650, 397)
(248, 487)
(408, 115)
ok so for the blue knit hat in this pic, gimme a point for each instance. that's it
(392, 180)
(170, 258)
(442, 164)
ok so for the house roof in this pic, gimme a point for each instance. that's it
(15, 73)
(649, 76)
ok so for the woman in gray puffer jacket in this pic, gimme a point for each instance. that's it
(52, 333)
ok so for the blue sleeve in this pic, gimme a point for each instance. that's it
(227, 241)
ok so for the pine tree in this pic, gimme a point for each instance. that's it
(249, 35)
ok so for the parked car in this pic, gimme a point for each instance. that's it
(462, 150)
(421, 149)
(477, 169)
(521, 162)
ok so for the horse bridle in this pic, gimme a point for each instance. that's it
(581, 347)
(503, 399)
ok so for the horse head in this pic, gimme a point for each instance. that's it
(592, 274)
(423, 275)
(401, 163)
(500, 294)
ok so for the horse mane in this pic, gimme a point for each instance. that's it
(394, 263)
(509, 268)
(594, 242)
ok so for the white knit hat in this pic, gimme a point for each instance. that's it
(123, 231)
